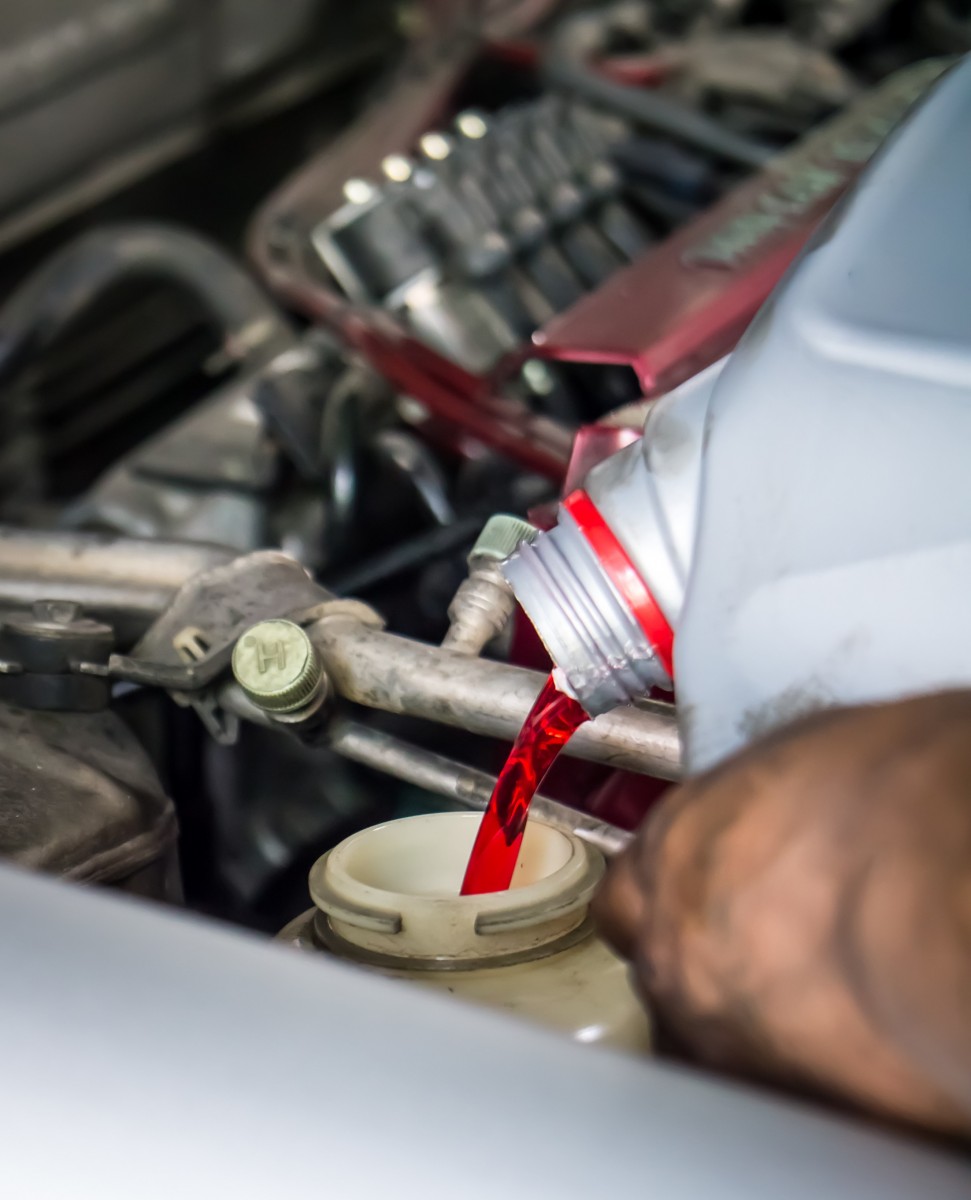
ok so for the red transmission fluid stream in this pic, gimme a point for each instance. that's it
(550, 724)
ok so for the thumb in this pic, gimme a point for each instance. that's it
(620, 906)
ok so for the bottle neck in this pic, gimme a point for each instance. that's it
(592, 609)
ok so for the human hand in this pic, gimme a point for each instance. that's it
(803, 912)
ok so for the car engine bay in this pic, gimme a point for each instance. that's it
(295, 298)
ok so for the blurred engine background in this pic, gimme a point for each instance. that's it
(347, 279)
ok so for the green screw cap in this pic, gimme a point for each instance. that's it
(501, 536)
(276, 665)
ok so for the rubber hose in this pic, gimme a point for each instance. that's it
(68, 282)
(404, 557)
(656, 112)
(340, 446)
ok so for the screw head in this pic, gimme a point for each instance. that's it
(276, 665)
(359, 191)
(56, 612)
(397, 168)
(435, 146)
(472, 124)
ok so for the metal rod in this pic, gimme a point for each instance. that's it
(466, 785)
(380, 670)
(122, 580)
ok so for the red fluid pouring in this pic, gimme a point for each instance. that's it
(550, 724)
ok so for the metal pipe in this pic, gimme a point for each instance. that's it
(124, 581)
(380, 670)
(466, 785)
(480, 610)
(568, 67)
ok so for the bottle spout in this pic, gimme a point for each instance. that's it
(609, 641)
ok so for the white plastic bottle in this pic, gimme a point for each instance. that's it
(794, 530)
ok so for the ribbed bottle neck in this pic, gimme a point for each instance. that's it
(584, 619)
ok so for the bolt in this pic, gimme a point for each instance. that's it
(537, 377)
(397, 168)
(358, 191)
(276, 665)
(56, 612)
(435, 146)
(472, 125)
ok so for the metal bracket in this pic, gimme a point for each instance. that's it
(191, 643)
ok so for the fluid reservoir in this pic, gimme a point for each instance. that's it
(388, 898)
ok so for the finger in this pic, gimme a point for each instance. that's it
(620, 908)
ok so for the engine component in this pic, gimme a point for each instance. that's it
(467, 786)
(394, 674)
(566, 69)
(95, 93)
(537, 220)
(55, 659)
(252, 331)
(276, 665)
(785, 80)
(67, 283)
(484, 602)
(123, 582)
(364, 664)
(388, 897)
(81, 800)
(207, 477)
(700, 289)
(214, 609)
(496, 227)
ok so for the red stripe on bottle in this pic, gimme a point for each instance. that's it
(624, 576)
